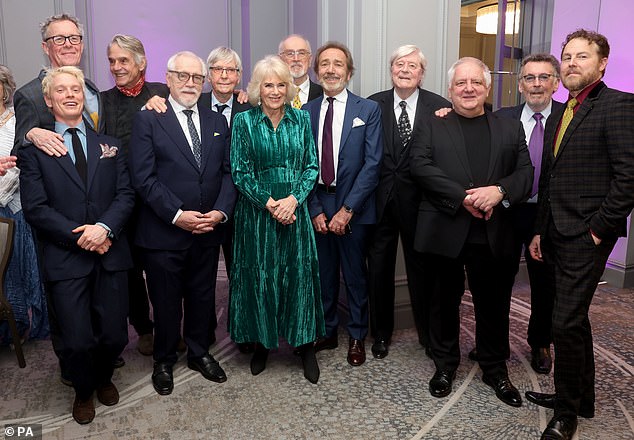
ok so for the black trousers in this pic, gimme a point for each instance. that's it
(91, 319)
(181, 283)
(382, 252)
(491, 283)
(540, 276)
(578, 265)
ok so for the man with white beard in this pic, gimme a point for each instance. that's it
(295, 51)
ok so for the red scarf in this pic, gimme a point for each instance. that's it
(135, 89)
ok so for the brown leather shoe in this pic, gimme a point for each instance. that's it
(83, 410)
(541, 360)
(108, 394)
(356, 352)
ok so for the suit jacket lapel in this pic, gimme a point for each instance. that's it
(69, 167)
(173, 128)
(206, 138)
(352, 109)
(457, 141)
(496, 142)
(93, 150)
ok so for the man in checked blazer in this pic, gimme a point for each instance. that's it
(586, 192)
(397, 199)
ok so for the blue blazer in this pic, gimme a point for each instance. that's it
(166, 177)
(359, 162)
(55, 201)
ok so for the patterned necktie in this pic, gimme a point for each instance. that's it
(80, 157)
(196, 148)
(327, 161)
(297, 103)
(565, 121)
(404, 127)
(221, 108)
(535, 148)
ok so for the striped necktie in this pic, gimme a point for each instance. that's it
(565, 121)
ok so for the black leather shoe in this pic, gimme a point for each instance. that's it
(162, 379)
(504, 389)
(560, 428)
(309, 362)
(208, 367)
(380, 348)
(258, 361)
(329, 343)
(440, 383)
(548, 401)
(473, 355)
(541, 361)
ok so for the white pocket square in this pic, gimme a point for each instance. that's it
(107, 151)
(216, 134)
(357, 122)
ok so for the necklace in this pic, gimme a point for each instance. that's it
(6, 118)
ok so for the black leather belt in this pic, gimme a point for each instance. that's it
(332, 189)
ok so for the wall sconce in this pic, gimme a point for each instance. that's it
(487, 19)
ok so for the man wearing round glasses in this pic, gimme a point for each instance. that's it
(62, 42)
(295, 51)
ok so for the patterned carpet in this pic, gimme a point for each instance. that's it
(383, 399)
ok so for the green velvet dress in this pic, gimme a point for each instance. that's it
(274, 286)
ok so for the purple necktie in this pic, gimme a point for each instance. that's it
(327, 162)
(535, 147)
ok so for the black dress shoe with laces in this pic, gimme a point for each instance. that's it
(504, 389)
(548, 401)
(560, 428)
(162, 378)
(380, 348)
(440, 383)
(208, 367)
(541, 361)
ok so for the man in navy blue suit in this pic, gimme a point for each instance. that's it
(348, 135)
(179, 164)
(79, 203)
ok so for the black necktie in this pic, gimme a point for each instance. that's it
(221, 107)
(80, 157)
(196, 148)
(404, 127)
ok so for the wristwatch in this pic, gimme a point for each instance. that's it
(505, 202)
(348, 209)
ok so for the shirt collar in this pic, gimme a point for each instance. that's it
(305, 86)
(411, 99)
(215, 101)
(178, 108)
(289, 113)
(61, 128)
(584, 93)
(341, 97)
(527, 112)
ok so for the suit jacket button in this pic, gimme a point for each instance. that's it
(470, 184)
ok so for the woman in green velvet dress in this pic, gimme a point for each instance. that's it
(275, 288)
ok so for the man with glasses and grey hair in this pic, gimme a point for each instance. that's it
(295, 51)
(62, 42)
(179, 166)
(403, 108)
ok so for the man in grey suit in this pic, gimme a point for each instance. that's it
(62, 42)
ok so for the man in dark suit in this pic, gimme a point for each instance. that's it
(179, 163)
(62, 42)
(79, 203)
(126, 56)
(225, 72)
(472, 167)
(403, 108)
(347, 132)
(538, 80)
(586, 192)
(295, 51)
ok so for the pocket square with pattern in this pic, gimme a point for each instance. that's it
(357, 122)
(108, 151)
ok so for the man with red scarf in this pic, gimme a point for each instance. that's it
(126, 56)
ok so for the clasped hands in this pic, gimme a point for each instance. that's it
(94, 238)
(336, 225)
(199, 223)
(481, 201)
(283, 210)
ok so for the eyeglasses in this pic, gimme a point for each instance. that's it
(183, 77)
(60, 40)
(541, 77)
(290, 54)
(228, 70)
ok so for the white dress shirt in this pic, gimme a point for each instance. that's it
(411, 101)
